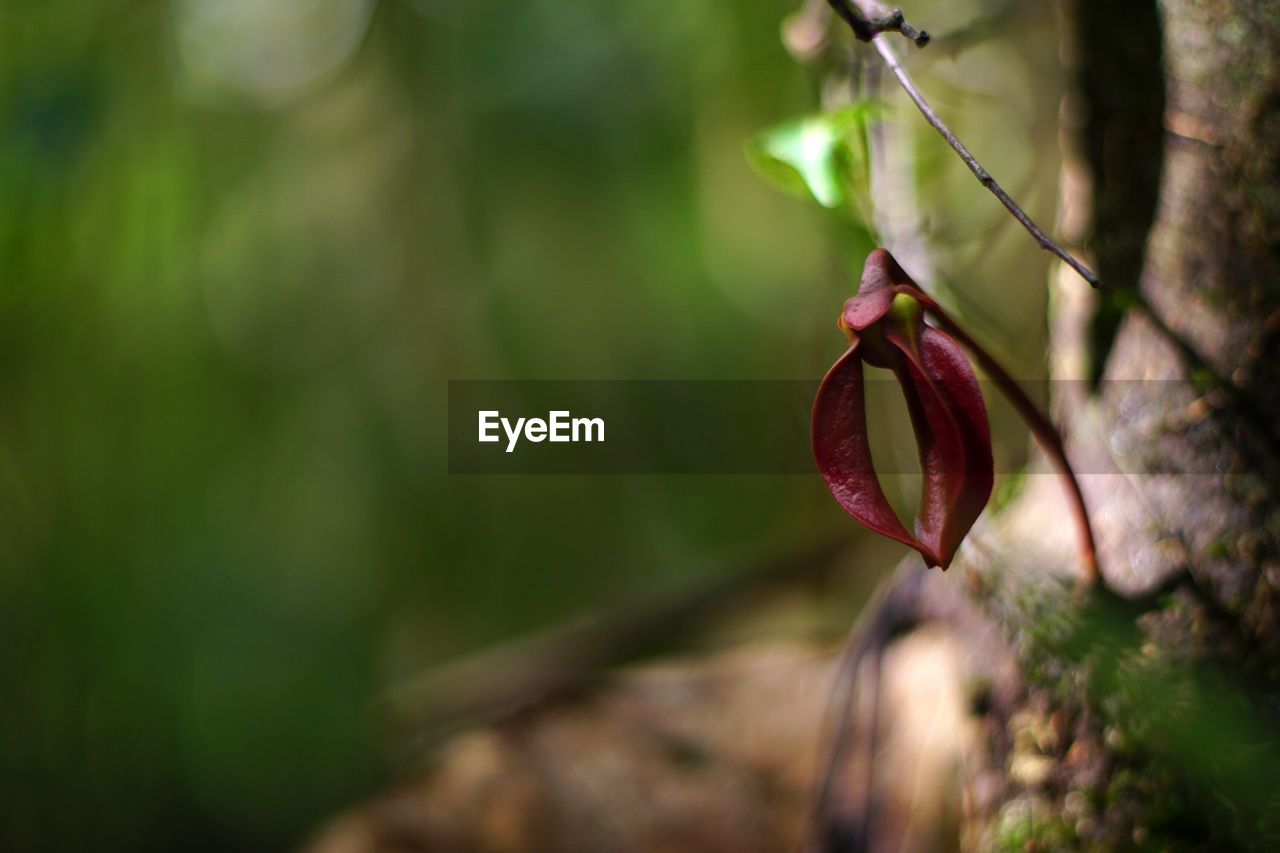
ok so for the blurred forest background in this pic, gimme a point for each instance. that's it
(243, 247)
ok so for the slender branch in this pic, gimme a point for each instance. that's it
(868, 20)
(839, 711)
(896, 608)
(891, 59)
(870, 738)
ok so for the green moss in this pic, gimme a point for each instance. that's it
(1038, 827)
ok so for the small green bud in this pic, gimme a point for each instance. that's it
(907, 309)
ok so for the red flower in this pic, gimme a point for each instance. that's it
(885, 326)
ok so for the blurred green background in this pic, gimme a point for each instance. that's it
(243, 247)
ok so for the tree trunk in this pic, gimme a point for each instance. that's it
(1161, 711)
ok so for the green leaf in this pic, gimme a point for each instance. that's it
(822, 156)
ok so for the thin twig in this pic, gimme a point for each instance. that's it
(891, 59)
(869, 19)
(870, 740)
(895, 609)
(839, 711)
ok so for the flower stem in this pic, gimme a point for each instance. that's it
(1047, 435)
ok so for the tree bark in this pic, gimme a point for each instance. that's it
(1163, 707)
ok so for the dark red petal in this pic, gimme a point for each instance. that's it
(843, 453)
(954, 439)
(882, 279)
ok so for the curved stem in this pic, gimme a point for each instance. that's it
(1047, 435)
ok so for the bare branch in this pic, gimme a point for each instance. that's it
(868, 20)
(891, 59)
(897, 608)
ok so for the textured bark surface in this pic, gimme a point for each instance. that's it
(1175, 703)
(1212, 273)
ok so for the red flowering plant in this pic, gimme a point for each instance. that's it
(829, 158)
(886, 328)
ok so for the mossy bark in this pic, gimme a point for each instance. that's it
(1163, 706)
